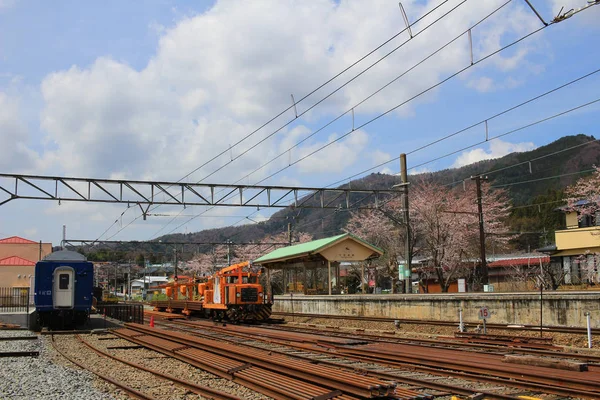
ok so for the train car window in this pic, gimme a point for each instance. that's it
(63, 281)
(252, 279)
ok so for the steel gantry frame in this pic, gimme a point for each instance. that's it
(148, 193)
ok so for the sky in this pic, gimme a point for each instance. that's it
(118, 90)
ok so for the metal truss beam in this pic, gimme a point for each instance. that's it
(147, 193)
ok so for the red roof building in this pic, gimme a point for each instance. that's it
(16, 261)
(16, 240)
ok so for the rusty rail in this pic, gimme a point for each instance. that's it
(428, 362)
(199, 389)
(134, 393)
(253, 364)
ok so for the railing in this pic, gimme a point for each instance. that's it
(14, 299)
(123, 312)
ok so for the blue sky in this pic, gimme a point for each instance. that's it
(113, 90)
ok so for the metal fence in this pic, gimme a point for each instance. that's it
(14, 299)
(123, 312)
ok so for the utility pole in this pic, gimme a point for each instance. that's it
(129, 281)
(484, 269)
(175, 259)
(229, 252)
(407, 257)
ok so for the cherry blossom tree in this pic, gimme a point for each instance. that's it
(584, 195)
(444, 225)
(383, 228)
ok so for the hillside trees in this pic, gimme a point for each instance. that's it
(204, 264)
(444, 223)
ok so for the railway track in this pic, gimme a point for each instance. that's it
(272, 374)
(204, 391)
(475, 367)
(322, 356)
(557, 329)
(444, 342)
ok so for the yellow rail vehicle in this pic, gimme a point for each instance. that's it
(234, 293)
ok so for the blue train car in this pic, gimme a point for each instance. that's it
(63, 290)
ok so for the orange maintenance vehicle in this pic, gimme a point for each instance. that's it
(234, 293)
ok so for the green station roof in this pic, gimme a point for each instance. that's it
(309, 248)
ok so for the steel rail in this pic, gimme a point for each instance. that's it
(334, 379)
(557, 383)
(199, 389)
(475, 375)
(401, 379)
(133, 392)
(273, 386)
(557, 329)
(432, 343)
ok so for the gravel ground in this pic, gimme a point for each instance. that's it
(39, 377)
(167, 365)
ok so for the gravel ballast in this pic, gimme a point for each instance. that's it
(39, 377)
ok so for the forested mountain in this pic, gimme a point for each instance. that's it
(545, 192)
(526, 184)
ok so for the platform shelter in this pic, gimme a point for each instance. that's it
(313, 257)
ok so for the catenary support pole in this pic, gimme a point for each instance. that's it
(461, 325)
(407, 255)
(484, 269)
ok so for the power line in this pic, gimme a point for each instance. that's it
(425, 91)
(330, 94)
(318, 88)
(543, 179)
(508, 133)
(527, 162)
(533, 99)
(394, 108)
(399, 105)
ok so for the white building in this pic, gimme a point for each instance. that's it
(152, 282)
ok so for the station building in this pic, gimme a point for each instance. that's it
(17, 260)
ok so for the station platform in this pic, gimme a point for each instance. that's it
(560, 308)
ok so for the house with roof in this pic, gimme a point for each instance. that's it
(17, 260)
(576, 249)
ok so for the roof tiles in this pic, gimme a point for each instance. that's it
(16, 240)
(16, 261)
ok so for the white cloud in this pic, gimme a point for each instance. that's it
(336, 157)
(498, 148)
(217, 76)
(417, 171)
(485, 84)
(482, 84)
(15, 153)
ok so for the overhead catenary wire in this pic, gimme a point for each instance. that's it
(394, 108)
(295, 103)
(526, 162)
(478, 61)
(486, 120)
(427, 90)
(508, 133)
